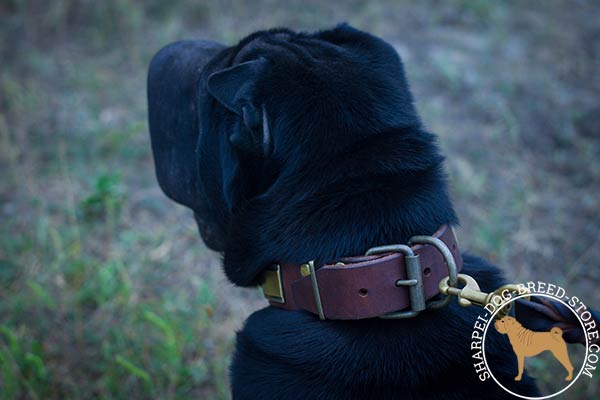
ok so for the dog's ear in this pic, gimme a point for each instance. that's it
(235, 88)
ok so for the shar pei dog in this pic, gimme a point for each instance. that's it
(527, 343)
(293, 146)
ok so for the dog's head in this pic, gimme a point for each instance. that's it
(285, 100)
(505, 324)
(270, 110)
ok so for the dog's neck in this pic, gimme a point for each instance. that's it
(383, 191)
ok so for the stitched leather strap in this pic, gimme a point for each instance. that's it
(364, 287)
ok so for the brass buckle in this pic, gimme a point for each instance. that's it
(414, 281)
(272, 286)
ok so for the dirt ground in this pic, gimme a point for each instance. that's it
(106, 290)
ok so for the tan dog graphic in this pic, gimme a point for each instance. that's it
(526, 343)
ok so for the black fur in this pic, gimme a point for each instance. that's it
(349, 166)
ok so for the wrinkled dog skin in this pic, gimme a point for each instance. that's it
(290, 147)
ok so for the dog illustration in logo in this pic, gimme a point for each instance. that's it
(527, 343)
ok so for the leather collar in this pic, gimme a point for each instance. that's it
(365, 286)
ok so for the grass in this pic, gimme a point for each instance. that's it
(115, 318)
(106, 291)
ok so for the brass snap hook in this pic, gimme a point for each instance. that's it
(471, 294)
(467, 295)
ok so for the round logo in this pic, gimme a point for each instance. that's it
(541, 353)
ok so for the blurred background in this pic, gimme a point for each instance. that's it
(106, 290)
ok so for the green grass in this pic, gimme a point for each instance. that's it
(106, 290)
(94, 297)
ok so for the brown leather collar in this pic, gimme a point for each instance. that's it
(366, 286)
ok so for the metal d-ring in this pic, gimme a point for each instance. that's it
(414, 280)
(450, 263)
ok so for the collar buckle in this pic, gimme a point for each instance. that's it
(414, 281)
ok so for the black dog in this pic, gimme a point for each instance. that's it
(291, 147)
